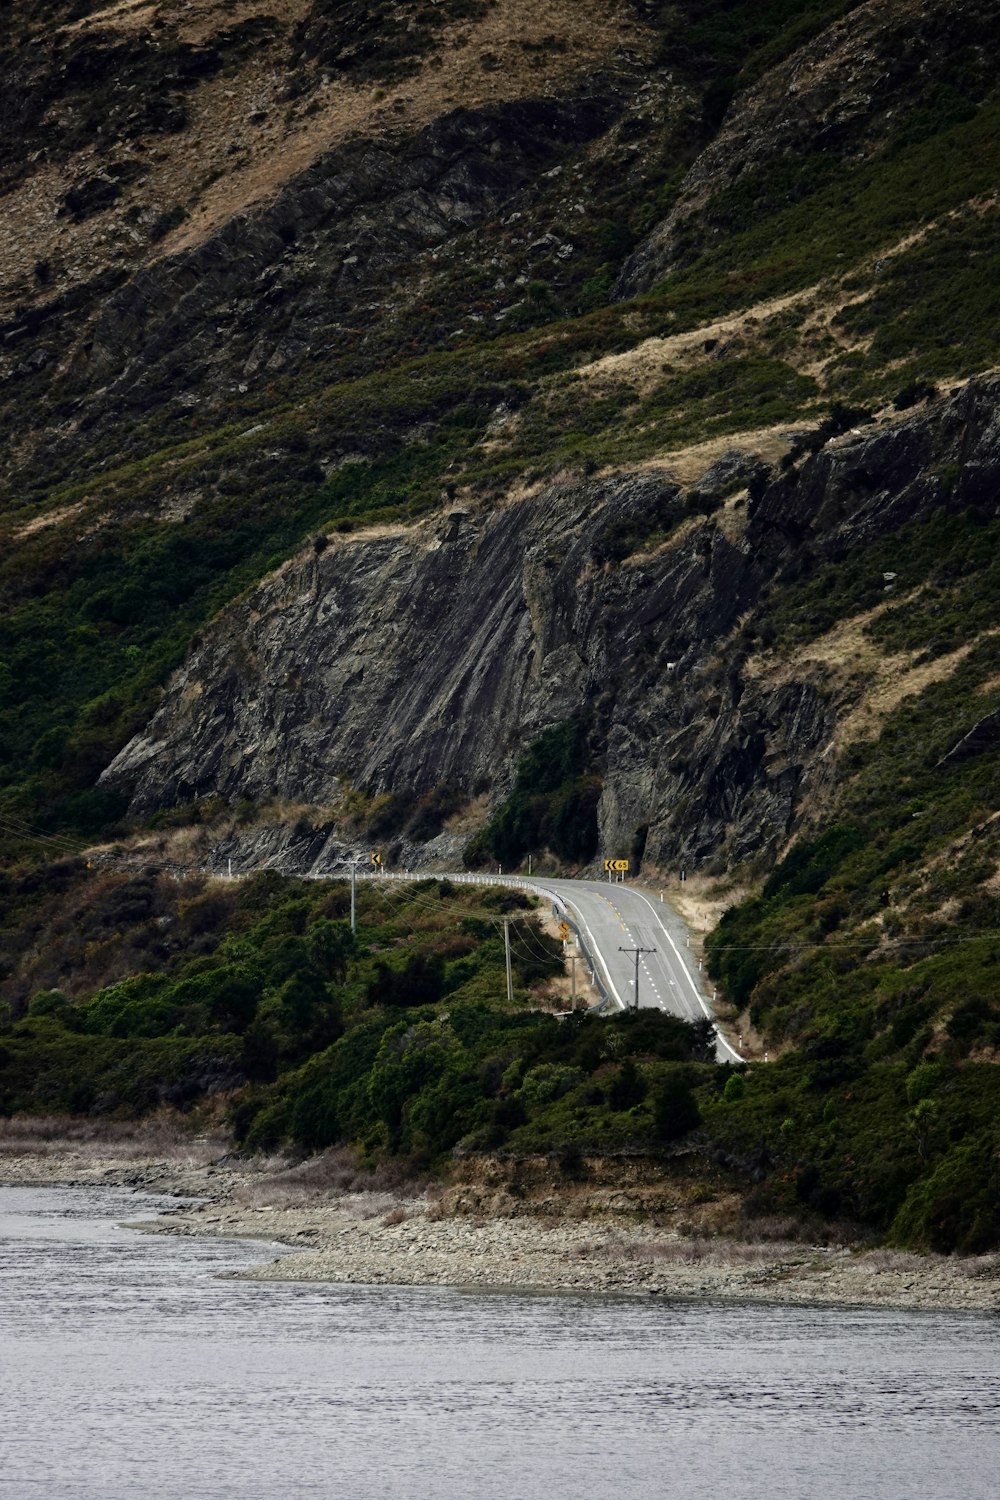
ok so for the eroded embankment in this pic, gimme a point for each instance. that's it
(516, 1231)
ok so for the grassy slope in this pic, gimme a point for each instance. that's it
(871, 951)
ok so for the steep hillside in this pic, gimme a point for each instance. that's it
(644, 621)
(491, 428)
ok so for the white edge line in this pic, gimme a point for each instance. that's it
(519, 882)
(687, 974)
(594, 946)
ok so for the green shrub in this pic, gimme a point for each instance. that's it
(553, 804)
(956, 1206)
(675, 1111)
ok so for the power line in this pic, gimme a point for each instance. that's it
(827, 947)
(638, 954)
(18, 829)
(430, 903)
(522, 930)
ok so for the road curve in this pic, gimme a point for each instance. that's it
(611, 918)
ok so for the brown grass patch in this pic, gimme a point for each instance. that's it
(164, 1137)
(588, 31)
(335, 1178)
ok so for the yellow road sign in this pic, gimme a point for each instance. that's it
(376, 859)
(618, 865)
(564, 931)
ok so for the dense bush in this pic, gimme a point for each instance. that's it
(486, 1077)
(553, 804)
(398, 1041)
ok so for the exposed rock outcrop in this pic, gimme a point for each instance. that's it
(433, 654)
(982, 739)
(275, 285)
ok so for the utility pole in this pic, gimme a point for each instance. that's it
(572, 982)
(354, 902)
(638, 954)
(506, 949)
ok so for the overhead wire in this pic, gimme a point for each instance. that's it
(415, 898)
(19, 828)
(827, 947)
(436, 905)
(50, 845)
(783, 949)
(521, 932)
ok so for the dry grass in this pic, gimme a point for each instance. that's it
(686, 465)
(774, 1229)
(903, 1262)
(642, 367)
(779, 1242)
(889, 676)
(865, 683)
(702, 899)
(48, 518)
(160, 1138)
(691, 1250)
(336, 1178)
(589, 32)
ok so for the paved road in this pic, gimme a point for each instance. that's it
(612, 917)
(609, 918)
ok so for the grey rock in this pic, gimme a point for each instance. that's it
(437, 653)
(982, 739)
(428, 655)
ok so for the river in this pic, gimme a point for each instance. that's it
(129, 1367)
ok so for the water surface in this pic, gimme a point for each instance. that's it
(128, 1368)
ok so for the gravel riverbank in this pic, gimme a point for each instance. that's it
(383, 1237)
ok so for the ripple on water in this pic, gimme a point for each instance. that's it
(128, 1368)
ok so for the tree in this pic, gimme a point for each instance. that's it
(676, 1111)
(629, 1088)
(328, 945)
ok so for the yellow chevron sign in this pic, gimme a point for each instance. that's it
(618, 865)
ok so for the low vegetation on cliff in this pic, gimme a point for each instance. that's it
(724, 274)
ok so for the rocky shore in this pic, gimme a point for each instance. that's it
(407, 1238)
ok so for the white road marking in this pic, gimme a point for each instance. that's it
(697, 993)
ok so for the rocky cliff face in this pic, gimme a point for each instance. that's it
(270, 271)
(435, 654)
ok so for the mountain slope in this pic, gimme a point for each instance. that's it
(491, 429)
